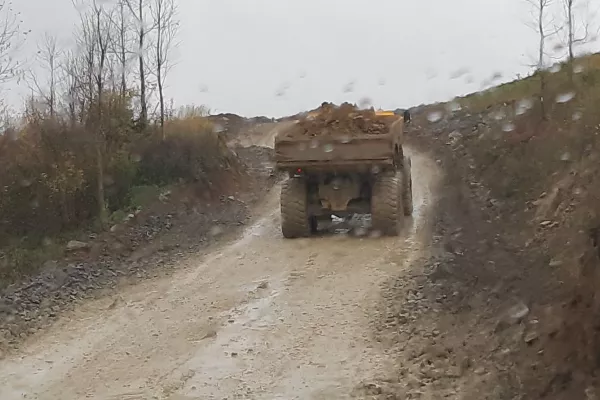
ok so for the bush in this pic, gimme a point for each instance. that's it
(49, 171)
(190, 151)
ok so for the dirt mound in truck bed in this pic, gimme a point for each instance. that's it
(345, 119)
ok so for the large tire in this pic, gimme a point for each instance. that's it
(386, 205)
(295, 222)
(407, 197)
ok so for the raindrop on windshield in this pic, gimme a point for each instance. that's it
(523, 106)
(365, 103)
(498, 115)
(434, 116)
(454, 106)
(555, 68)
(349, 87)
(565, 97)
(508, 127)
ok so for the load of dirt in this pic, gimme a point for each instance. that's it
(332, 120)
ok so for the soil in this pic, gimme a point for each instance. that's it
(346, 120)
(468, 303)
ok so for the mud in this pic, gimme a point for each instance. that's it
(345, 119)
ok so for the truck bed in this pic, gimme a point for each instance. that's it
(335, 152)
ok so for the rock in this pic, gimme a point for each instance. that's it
(231, 198)
(263, 285)
(75, 245)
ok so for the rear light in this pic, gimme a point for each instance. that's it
(299, 170)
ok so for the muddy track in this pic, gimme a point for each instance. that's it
(260, 317)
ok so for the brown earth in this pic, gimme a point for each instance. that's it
(506, 306)
(345, 119)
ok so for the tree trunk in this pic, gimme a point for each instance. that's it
(144, 106)
(162, 106)
(102, 215)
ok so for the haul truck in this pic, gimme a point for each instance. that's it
(343, 175)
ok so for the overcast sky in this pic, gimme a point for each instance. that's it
(278, 57)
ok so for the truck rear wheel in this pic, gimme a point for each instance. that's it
(407, 197)
(386, 205)
(295, 221)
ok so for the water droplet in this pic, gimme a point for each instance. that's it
(365, 102)
(25, 182)
(577, 115)
(218, 128)
(34, 203)
(375, 169)
(203, 89)
(498, 115)
(495, 76)
(454, 106)
(555, 68)
(508, 127)
(345, 139)
(349, 87)
(136, 158)
(558, 47)
(434, 116)
(314, 144)
(302, 146)
(565, 97)
(360, 231)
(328, 148)
(458, 73)
(523, 106)
(375, 234)
(216, 230)
(381, 82)
(578, 69)
(565, 156)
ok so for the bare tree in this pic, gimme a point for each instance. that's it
(10, 42)
(577, 28)
(70, 80)
(164, 16)
(137, 9)
(94, 41)
(540, 24)
(121, 45)
(48, 58)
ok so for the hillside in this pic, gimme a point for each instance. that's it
(520, 217)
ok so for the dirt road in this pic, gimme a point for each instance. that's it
(259, 318)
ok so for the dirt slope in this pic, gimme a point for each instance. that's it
(262, 317)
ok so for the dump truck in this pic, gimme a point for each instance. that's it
(341, 161)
